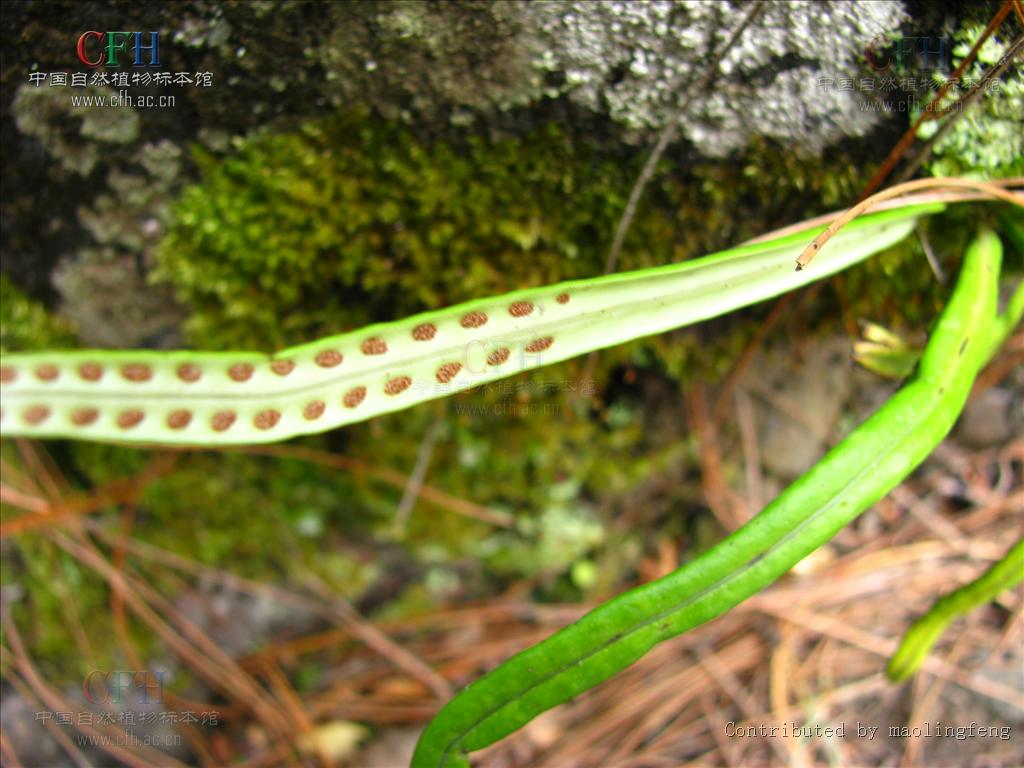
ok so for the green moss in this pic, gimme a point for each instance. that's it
(53, 591)
(257, 516)
(26, 325)
(347, 221)
(61, 608)
(351, 220)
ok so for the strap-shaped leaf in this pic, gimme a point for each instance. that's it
(216, 398)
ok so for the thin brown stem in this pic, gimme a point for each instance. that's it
(989, 188)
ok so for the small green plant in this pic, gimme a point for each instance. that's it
(924, 632)
(25, 324)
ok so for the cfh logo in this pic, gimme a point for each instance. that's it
(98, 49)
(103, 687)
(929, 53)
